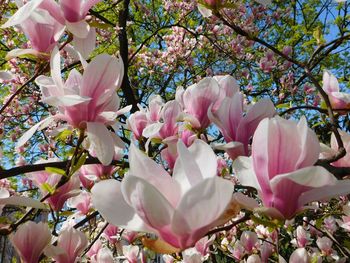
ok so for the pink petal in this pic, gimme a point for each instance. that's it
(101, 76)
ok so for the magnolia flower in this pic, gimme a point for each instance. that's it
(47, 182)
(39, 26)
(339, 100)
(197, 98)
(30, 240)
(87, 101)
(181, 216)
(67, 12)
(70, 245)
(281, 168)
(300, 255)
(236, 127)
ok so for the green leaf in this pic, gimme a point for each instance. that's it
(62, 136)
(55, 170)
(48, 188)
(282, 106)
(80, 163)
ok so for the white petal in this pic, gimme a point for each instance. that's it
(85, 45)
(5, 75)
(22, 14)
(149, 203)
(243, 169)
(109, 201)
(152, 130)
(313, 176)
(80, 29)
(101, 141)
(22, 201)
(341, 187)
(66, 100)
(28, 134)
(55, 65)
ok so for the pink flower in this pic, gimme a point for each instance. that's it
(325, 245)
(236, 127)
(90, 173)
(70, 245)
(195, 204)
(39, 26)
(281, 168)
(110, 233)
(30, 240)
(339, 100)
(137, 122)
(300, 255)
(87, 101)
(249, 240)
(48, 181)
(197, 99)
(81, 202)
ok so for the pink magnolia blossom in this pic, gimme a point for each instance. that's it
(237, 128)
(168, 126)
(67, 12)
(281, 168)
(131, 253)
(339, 100)
(30, 240)
(303, 238)
(90, 173)
(70, 245)
(300, 255)
(110, 233)
(104, 255)
(197, 200)
(137, 122)
(81, 202)
(39, 26)
(249, 240)
(46, 181)
(95, 248)
(197, 99)
(345, 161)
(325, 245)
(88, 102)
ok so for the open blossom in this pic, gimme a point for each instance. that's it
(39, 26)
(339, 100)
(236, 127)
(30, 240)
(281, 168)
(197, 98)
(196, 203)
(46, 181)
(72, 14)
(88, 102)
(70, 245)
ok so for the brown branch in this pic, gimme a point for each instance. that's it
(124, 53)
(41, 166)
(228, 227)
